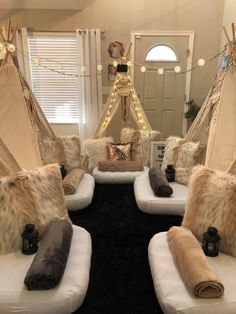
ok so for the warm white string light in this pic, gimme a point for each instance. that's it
(201, 62)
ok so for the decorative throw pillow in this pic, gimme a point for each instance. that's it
(141, 142)
(72, 150)
(211, 203)
(183, 155)
(120, 151)
(96, 150)
(52, 151)
(29, 197)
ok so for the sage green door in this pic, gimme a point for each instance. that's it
(162, 96)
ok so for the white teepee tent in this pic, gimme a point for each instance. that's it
(215, 123)
(21, 118)
(124, 96)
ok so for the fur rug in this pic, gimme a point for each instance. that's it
(141, 142)
(96, 150)
(30, 197)
(211, 202)
(183, 156)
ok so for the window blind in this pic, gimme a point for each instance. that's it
(56, 93)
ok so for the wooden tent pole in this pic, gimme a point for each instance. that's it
(127, 50)
(226, 34)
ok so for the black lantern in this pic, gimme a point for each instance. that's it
(210, 242)
(170, 173)
(63, 171)
(30, 239)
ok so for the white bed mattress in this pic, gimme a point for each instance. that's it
(117, 177)
(64, 299)
(151, 204)
(172, 293)
(84, 194)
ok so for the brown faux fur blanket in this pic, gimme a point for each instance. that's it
(71, 181)
(192, 263)
(120, 165)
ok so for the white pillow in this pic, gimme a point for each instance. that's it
(96, 150)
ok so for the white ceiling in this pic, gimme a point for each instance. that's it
(42, 4)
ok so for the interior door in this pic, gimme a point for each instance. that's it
(162, 96)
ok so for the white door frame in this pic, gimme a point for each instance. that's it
(190, 34)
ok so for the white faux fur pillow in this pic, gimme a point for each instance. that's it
(212, 203)
(183, 155)
(72, 151)
(35, 197)
(141, 142)
(96, 150)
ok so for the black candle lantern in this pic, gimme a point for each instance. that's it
(63, 171)
(170, 173)
(30, 239)
(210, 242)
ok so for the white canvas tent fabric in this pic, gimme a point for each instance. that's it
(8, 164)
(215, 123)
(21, 118)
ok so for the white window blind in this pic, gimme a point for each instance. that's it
(56, 93)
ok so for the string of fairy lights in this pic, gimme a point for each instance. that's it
(6, 47)
(118, 85)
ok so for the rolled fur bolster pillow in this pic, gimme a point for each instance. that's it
(71, 181)
(50, 260)
(159, 183)
(120, 165)
(192, 264)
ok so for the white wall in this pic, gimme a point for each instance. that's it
(119, 17)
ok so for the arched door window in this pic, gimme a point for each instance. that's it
(161, 52)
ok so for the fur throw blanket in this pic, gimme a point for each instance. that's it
(72, 149)
(141, 142)
(71, 181)
(211, 203)
(120, 165)
(192, 264)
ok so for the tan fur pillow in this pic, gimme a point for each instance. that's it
(141, 142)
(52, 151)
(96, 150)
(183, 155)
(35, 197)
(212, 202)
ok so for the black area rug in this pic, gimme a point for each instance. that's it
(120, 278)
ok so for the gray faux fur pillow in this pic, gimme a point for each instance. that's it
(212, 202)
(35, 197)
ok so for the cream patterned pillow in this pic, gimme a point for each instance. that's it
(183, 155)
(29, 197)
(212, 203)
(96, 150)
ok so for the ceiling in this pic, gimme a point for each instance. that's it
(42, 4)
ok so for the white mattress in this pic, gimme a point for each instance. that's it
(64, 299)
(84, 194)
(117, 177)
(172, 293)
(151, 204)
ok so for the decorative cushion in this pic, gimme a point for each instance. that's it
(141, 142)
(211, 202)
(120, 151)
(96, 150)
(183, 156)
(72, 150)
(35, 197)
(52, 151)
